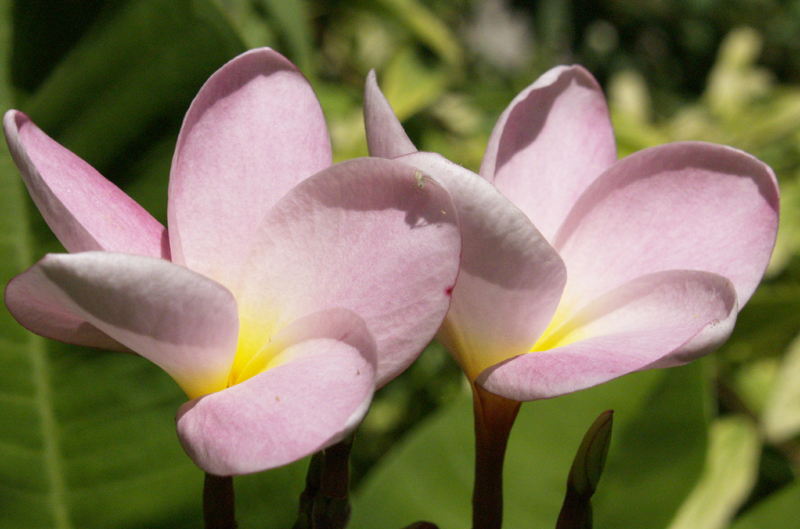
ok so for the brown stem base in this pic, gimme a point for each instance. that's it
(494, 417)
(218, 503)
(325, 502)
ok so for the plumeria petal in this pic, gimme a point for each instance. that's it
(316, 395)
(694, 206)
(254, 131)
(32, 307)
(178, 319)
(84, 210)
(506, 264)
(365, 235)
(385, 135)
(551, 142)
(642, 324)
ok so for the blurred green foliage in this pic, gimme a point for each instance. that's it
(87, 437)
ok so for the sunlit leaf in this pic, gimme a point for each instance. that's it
(729, 475)
(427, 28)
(409, 85)
(788, 244)
(781, 416)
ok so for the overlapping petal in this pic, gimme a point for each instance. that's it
(385, 135)
(316, 394)
(551, 142)
(33, 308)
(84, 210)
(252, 133)
(636, 326)
(506, 264)
(692, 205)
(362, 235)
(181, 321)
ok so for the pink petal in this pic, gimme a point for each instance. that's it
(692, 206)
(32, 307)
(181, 321)
(309, 402)
(385, 135)
(510, 281)
(84, 210)
(552, 141)
(645, 323)
(362, 235)
(252, 133)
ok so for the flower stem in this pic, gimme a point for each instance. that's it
(325, 503)
(218, 503)
(494, 417)
(332, 506)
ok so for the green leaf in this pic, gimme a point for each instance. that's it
(781, 416)
(655, 457)
(729, 476)
(129, 74)
(410, 86)
(55, 27)
(768, 323)
(781, 509)
(292, 20)
(427, 28)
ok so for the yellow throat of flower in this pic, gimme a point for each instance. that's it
(256, 352)
(562, 330)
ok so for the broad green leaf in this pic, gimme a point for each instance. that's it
(55, 27)
(729, 475)
(130, 74)
(780, 510)
(656, 455)
(148, 177)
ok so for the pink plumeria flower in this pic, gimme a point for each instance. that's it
(578, 268)
(286, 289)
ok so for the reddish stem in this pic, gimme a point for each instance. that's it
(218, 505)
(494, 417)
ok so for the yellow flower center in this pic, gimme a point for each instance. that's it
(559, 332)
(256, 351)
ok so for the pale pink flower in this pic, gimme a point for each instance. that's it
(578, 268)
(286, 289)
